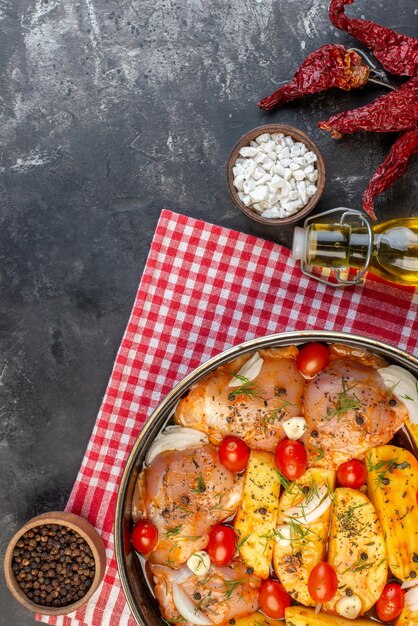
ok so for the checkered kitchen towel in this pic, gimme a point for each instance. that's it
(205, 289)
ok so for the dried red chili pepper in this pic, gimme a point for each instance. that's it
(329, 66)
(397, 53)
(391, 169)
(395, 111)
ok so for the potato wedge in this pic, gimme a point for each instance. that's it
(256, 517)
(301, 616)
(294, 562)
(356, 549)
(407, 618)
(392, 487)
(257, 619)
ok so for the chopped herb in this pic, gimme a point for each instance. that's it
(242, 541)
(246, 388)
(406, 397)
(231, 585)
(390, 391)
(320, 453)
(173, 531)
(217, 506)
(345, 402)
(200, 484)
(382, 468)
(285, 483)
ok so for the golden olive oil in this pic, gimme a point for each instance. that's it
(394, 248)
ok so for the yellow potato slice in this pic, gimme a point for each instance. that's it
(256, 517)
(392, 487)
(356, 549)
(302, 616)
(257, 619)
(293, 563)
(407, 618)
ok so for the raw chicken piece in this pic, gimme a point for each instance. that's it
(184, 493)
(222, 594)
(254, 411)
(348, 408)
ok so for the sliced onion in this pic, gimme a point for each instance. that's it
(318, 608)
(413, 608)
(284, 535)
(304, 513)
(175, 438)
(187, 608)
(249, 370)
(405, 387)
(411, 597)
(294, 427)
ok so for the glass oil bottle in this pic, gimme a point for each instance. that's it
(389, 249)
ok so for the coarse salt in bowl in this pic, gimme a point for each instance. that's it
(276, 174)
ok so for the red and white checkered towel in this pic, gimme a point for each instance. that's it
(205, 289)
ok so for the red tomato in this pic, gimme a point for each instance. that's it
(322, 582)
(233, 454)
(352, 474)
(144, 536)
(221, 546)
(273, 599)
(291, 458)
(390, 604)
(312, 358)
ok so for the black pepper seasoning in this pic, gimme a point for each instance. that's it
(38, 560)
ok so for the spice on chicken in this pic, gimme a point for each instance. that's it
(329, 66)
(397, 53)
(395, 111)
(392, 168)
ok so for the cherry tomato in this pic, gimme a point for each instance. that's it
(221, 546)
(312, 358)
(390, 604)
(233, 454)
(144, 536)
(322, 582)
(273, 599)
(352, 474)
(291, 458)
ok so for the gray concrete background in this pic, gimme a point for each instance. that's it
(109, 112)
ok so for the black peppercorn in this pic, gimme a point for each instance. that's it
(364, 556)
(314, 433)
(197, 596)
(392, 402)
(349, 592)
(250, 570)
(45, 565)
(412, 574)
(359, 420)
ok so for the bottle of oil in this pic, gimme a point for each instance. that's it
(389, 249)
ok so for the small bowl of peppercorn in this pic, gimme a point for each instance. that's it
(55, 563)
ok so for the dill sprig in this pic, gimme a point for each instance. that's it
(345, 402)
(243, 541)
(391, 389)
(173, 531)
(320, 452)
(246, 388)
(217, 506)
(285, 482)
(201, 487)
(231, 585)
(382, 468)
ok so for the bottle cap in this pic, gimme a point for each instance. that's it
(299, 244)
